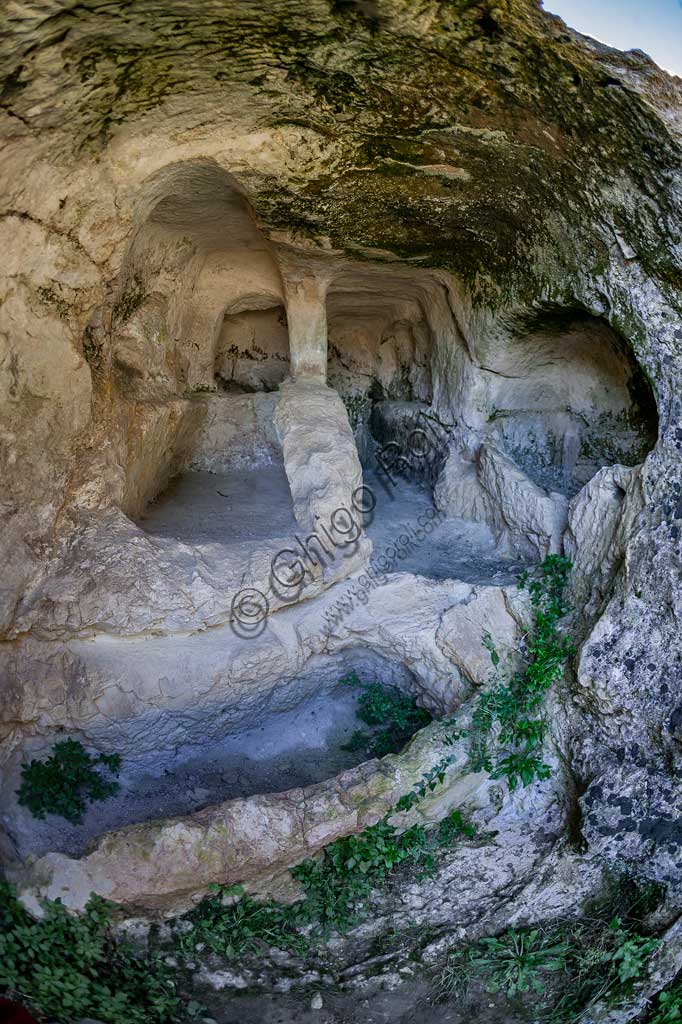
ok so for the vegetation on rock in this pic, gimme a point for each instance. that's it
(508, 726)
(596, 959)
(67, 781)
(69, 967)
(394, 717)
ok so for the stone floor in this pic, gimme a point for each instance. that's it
(239, 509)
(286, 749)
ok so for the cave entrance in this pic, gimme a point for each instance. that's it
(380, 351)
(198, 357)
(569, 398)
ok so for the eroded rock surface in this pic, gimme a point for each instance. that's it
(296, 240)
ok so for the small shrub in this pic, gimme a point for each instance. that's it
(394, 716)
(69, 967)
(66, 781)
(517, 961)
(508, 728)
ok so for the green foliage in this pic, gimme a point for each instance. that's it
(338, 887)
(508, 728)
(517, 961)
(395, 717)
(231, 923)
(429, 781)
(597, 958)
(603, 964)
(453, 826)
(669, 1009)
(457, 976)
(65, 782)
(70, 966)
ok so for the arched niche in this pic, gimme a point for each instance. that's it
(380, 351)
(566, 396)
(199, 342)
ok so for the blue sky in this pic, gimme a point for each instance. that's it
(654, 26)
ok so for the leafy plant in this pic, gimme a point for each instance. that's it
(69, 966)
(454, 826)
(599, 957)
(231, 923)
(508, 728)
(397, 714)
(66, 781)
(517, 961)
(669, 1009)
(338, 888)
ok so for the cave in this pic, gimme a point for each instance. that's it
(380, 352)
(571, 399)
(295, 736)
(205, 468)
(339, 338)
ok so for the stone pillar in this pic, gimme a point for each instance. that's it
(306, 294)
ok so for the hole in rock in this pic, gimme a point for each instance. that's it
(569, 399)
(380, 346)
(200, 343)
(296, 733)
(252, 352)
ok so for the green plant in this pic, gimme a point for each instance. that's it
(231, 923)
(69, 966)
(508, 728)
(669, 1009)
(65, 782)
(338, 887)
(602, 966)
(456, 977)
(597, 958)
(607, 950)
(517, 961)
(395, 717)
(453, 826)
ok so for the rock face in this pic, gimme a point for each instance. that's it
(307, 242)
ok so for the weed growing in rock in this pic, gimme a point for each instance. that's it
(669, 1007)
(70, 967)
(230, 923)
(66, 781)
(338, 887)
(598, 958)
(517, 961)
(395, 717)
(508, 727)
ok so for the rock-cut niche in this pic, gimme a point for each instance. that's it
(197, 356)
(566, 396)
(380, 351)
